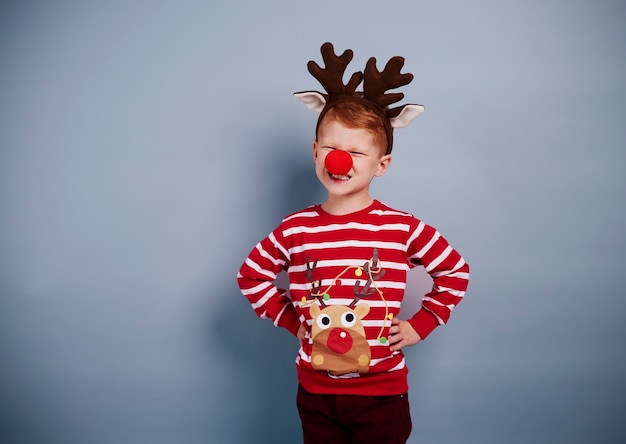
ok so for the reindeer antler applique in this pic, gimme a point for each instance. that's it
(316, 286)
(375, 85)
(373, 273)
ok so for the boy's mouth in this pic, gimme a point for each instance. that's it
(339, 177)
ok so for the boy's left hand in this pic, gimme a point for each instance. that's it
(402, 334)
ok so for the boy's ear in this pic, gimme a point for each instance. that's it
(383, 165)
(314, 150)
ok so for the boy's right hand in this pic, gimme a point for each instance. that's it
(302, 333)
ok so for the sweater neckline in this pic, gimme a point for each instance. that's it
(352, 215)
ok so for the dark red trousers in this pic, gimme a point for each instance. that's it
(349, 419)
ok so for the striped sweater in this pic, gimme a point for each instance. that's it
(347, 276)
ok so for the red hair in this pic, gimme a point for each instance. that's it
(355, 115)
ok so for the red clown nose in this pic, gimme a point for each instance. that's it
(338, 162)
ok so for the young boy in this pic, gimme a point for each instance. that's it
(347, 261)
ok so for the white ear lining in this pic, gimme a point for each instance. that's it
(406, 116)
(312, 99)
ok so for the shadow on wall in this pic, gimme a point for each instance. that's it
(264, 354)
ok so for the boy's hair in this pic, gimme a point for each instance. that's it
(355, 115)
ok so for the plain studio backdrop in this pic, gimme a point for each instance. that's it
(146, 146)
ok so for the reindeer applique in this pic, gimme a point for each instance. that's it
(339, 341)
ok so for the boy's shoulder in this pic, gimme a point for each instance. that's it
(394, 217)
(308, 212)
(378, 208)
(383, 209)
(305, 219)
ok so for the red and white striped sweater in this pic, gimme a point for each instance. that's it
(347, 276)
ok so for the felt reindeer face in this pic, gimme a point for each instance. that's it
(375, 86)
(339, 343)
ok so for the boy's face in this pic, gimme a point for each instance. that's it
(368, 159)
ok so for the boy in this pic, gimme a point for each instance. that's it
(347, 261)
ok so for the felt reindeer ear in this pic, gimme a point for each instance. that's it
(406, 116)
(312, 99)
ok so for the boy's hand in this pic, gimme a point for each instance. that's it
(302, 331)
(402, 334)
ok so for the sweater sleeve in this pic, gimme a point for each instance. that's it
(256, 280)
(450, 274)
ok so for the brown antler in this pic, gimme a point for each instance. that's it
(375, 83)
(331, 76)
(315, 286)
(373, 274)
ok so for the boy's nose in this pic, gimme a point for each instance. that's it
(338, 162)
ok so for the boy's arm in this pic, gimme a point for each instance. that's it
(450, 275)
(256, 280)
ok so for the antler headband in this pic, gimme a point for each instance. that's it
(373, 96)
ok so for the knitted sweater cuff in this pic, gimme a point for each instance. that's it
(424, 322)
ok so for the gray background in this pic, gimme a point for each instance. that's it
(146, 146)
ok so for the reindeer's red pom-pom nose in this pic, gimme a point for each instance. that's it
(338, 162)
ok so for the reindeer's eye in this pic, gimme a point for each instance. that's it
(348, 319)
(323, 321)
